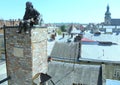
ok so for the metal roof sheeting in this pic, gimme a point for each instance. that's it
(111, 53)
(112, 82)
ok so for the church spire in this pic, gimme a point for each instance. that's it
(108, 11)
(108, 16)
(107, 8)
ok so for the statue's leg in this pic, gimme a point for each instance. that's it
(20, 27)
(26, 27)
(30, 26)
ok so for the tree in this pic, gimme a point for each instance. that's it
(63, 28)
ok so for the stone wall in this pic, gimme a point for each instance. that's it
(26, 54)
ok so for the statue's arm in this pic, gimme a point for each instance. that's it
(37, 13)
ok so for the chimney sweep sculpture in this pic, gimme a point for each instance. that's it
(31, 17)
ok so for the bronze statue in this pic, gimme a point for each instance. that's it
(31, 17)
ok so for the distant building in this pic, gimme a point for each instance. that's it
(10, 22)
(108, 20)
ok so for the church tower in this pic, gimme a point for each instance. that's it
(107, 16)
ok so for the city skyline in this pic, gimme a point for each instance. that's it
(57, 11)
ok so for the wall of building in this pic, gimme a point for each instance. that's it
(26, 54)
(10, 22)
(1, 46)
(111, 71)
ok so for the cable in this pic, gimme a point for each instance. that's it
(2, 81)
(52, 82)
(64, 77)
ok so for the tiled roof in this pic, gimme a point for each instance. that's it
(65, 50)
(87, 40)
(68, 73)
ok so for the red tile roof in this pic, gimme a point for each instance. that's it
(87, 40)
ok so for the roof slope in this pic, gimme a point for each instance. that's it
(68, 73)
(87, 40)
(65, 50)
(115, 21)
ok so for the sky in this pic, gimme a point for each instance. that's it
(57, 11)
